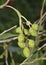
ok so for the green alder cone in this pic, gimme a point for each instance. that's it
(31, 43)
(21, 44)
(26, 52)
(21, 38)
(26, 32)
(32, 32)
(18, 30)
(35, 26)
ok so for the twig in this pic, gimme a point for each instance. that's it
(6, 58)
(38, 59)
(42, 40)
(41, 47)
(42, 58)
(42, 32)
(5, 49)
(6, 53)
(3, 5)
(44, 19)
(39, 25)
(8, 30)
(41, 13)
(8, 40)
(40, 21)
(18, 13)
(13, 62)
(26, 19)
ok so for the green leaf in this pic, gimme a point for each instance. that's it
(6, 35)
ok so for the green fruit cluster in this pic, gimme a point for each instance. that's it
(21, 39)
(25, 43)
(21, 44)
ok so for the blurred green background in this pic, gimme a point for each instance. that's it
(8, 18)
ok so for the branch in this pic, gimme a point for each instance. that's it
(41, 32)
(13, 62)
(8, 30)
(41, 47)
(41, 13)
(6, 53)
(26, 20)
(42, 58)
(18, 13)
(42, 40)
(40, 21)
(8, 40)
(3, 5)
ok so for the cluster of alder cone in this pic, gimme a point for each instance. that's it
(23, 38)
